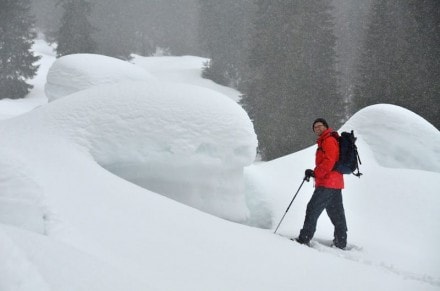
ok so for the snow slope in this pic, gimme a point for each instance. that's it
(67, 223)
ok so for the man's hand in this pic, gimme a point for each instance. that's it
(309, 173)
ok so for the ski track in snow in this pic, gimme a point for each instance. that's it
(355, 254)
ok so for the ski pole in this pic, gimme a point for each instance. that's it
(305, 179)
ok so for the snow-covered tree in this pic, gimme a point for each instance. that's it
(16, 39)
(75, 33)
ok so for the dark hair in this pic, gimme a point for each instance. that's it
(322, 120)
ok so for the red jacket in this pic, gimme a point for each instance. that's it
(327, 155)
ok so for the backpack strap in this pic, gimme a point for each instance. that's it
(335, 134)
(358, 174)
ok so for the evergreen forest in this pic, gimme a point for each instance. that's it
(292, 60)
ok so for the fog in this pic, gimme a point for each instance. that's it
(292, 60)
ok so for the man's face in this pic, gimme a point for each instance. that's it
(319, 128)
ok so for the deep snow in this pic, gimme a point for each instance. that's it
(73, 73)
(67, 223)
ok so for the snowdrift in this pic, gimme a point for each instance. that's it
(388, 209)
(160, 138)
(398, 137)
(68, 223)
(76, 72)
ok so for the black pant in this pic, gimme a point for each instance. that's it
(331, 201)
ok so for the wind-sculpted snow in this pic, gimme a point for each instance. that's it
(68, 223)
(186, 142)
(73, 73)
(398, 137)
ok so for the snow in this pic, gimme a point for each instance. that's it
(70, 221)
(161, 136)
(400, 126)
(73, 73)
(185, 69)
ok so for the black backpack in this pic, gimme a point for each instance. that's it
(349, 159)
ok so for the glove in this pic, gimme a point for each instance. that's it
(309, 173)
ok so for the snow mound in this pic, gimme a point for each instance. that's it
(73, 73)
(405, 140)
(21, 195)
(183, 141)
(104, 233)
(183, 69)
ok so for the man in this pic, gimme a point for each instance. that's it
(328, 185)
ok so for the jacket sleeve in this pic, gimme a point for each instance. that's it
(330, 154)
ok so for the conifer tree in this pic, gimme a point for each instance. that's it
(143, 26)
(292, 77)
(400, 61)
(426, 14)
(16, 39)
(75, 33)
(116, 26)
(379, 56)
(224, 28)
